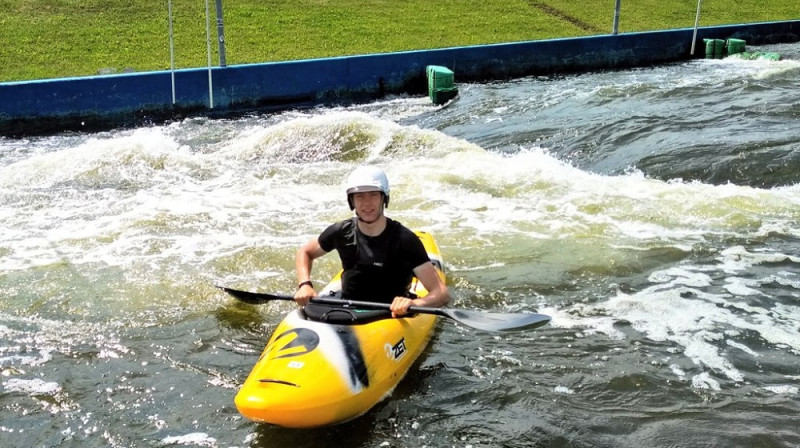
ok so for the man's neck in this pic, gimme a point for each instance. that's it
(372, 228)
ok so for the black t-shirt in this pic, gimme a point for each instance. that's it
(378, 268)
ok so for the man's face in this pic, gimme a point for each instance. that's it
(368, 205)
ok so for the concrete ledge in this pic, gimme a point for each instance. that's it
(132, 99)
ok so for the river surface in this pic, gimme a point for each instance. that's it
(653, 213)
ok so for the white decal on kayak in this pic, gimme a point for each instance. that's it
(338, 348)
(397, 351)
(296, 365)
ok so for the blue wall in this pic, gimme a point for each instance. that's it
(101, 102)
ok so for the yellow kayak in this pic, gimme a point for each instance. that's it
(316, 372)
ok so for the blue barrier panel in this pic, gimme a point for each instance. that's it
(98, 102)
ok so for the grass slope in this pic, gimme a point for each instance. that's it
(55, 38)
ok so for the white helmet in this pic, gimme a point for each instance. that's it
(367, 178)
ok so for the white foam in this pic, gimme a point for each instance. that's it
(195, 438)
(676, 309)
(704, 381)
(563, 390)
(742, 347)
(783, 389)
(142, 202)
(742, 287)
(736, 259)
(35, 386)
(678, 371)
(142, 196)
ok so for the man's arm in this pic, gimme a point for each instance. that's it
(437, 296)
(303, 261)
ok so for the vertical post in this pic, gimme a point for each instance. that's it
(171, 51)
(696, 22)
(616, 17)
(208, 53)
(221, 34)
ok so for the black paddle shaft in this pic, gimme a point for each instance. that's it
(493, 322)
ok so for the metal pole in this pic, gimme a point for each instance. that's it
(616, 17)
(171, 51)
(208, 52)
(696, 22)
(221, 34)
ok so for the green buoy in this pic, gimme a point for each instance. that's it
(441, 84)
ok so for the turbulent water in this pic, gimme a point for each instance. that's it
(653, 213)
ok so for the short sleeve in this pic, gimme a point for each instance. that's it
(415, 250)
(327, 239)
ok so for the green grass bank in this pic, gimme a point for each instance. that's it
(61, 38)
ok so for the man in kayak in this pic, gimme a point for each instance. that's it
(379, 255)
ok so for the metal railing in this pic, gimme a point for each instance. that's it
(615, 26)
(220, 43)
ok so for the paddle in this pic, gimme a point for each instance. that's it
(496, 322)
